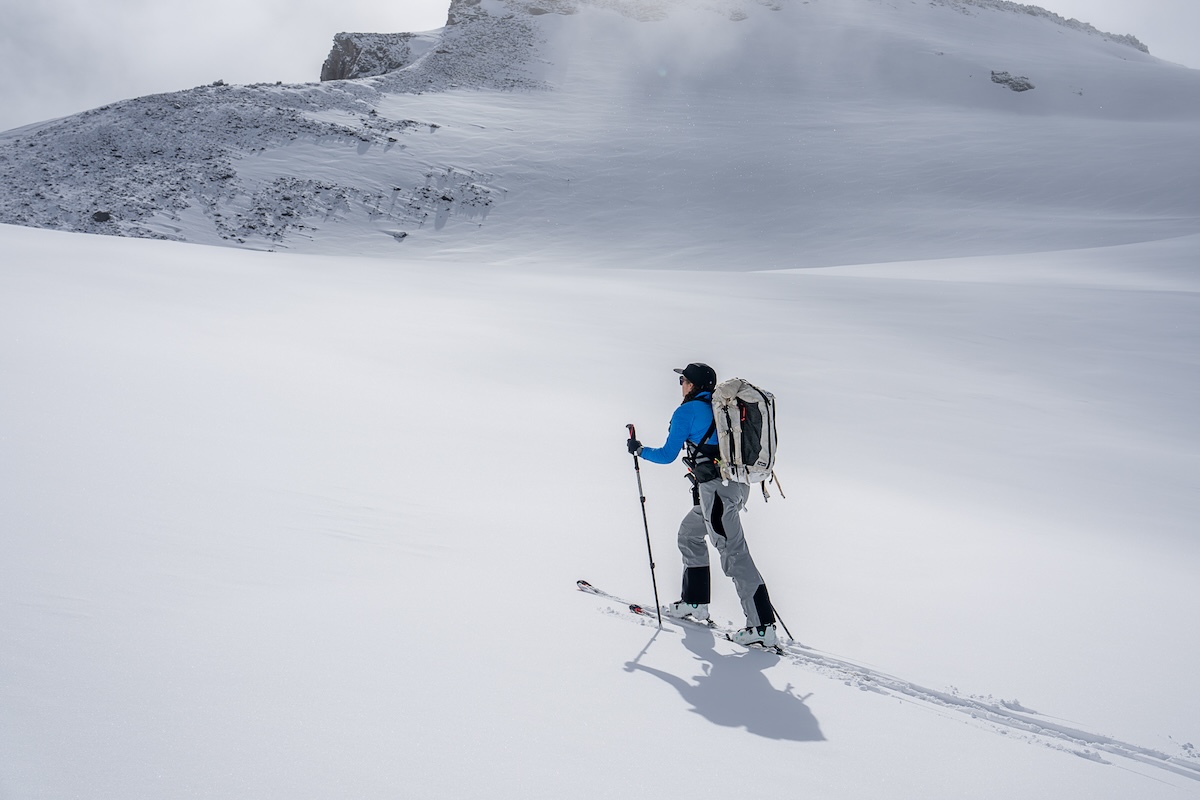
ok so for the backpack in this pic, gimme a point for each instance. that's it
(744, 416)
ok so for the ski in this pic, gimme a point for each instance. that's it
(642, 611)
(636, 608)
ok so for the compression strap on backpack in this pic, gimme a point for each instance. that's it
(775, 480)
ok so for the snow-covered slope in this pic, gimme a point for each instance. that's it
(309, 527)
(757, 135)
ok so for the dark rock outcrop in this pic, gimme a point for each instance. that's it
(364, 55)
(1018, 83)
(463, 10)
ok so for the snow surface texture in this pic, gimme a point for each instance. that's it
(242, 558)
(1007, 717)
(834, 128)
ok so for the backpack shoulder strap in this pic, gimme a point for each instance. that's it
(693, 447)
(711, 428)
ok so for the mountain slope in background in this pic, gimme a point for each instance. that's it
(758, 134)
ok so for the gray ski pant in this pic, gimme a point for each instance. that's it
(719, 518)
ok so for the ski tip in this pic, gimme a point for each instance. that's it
(582, 584)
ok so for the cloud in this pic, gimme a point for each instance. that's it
(65, 56)
(1168, 27)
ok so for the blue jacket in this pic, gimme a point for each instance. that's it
(688, 424)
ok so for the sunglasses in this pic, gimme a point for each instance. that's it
(683, 380)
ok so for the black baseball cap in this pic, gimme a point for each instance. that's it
(702, 375)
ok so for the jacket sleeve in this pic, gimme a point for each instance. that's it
(676, 436)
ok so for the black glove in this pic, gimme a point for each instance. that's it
(634, 446)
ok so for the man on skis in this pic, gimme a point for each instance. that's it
(715, 514)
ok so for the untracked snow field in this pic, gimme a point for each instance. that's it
(307, 526)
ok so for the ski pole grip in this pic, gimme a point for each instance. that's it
(632, 431)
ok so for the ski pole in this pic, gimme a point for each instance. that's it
(775, 611)
(642, 496)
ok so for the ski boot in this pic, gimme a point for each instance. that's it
(763, 635)
(680, 609)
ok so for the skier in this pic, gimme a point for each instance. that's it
(715, 513)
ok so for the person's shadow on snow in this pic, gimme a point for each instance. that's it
(732, 691)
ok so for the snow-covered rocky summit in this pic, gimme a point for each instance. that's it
(365, 55)
(173, 166)
(1038, 11)
(835, 127)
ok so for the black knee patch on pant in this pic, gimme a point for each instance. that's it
(762, 604)
(697, 585)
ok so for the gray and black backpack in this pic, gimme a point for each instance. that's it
(744, 416)
(744, 421)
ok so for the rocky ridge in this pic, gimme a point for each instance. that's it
(133, 168)
(365, 55)
(967, 6)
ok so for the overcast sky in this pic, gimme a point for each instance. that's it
(65, 56)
